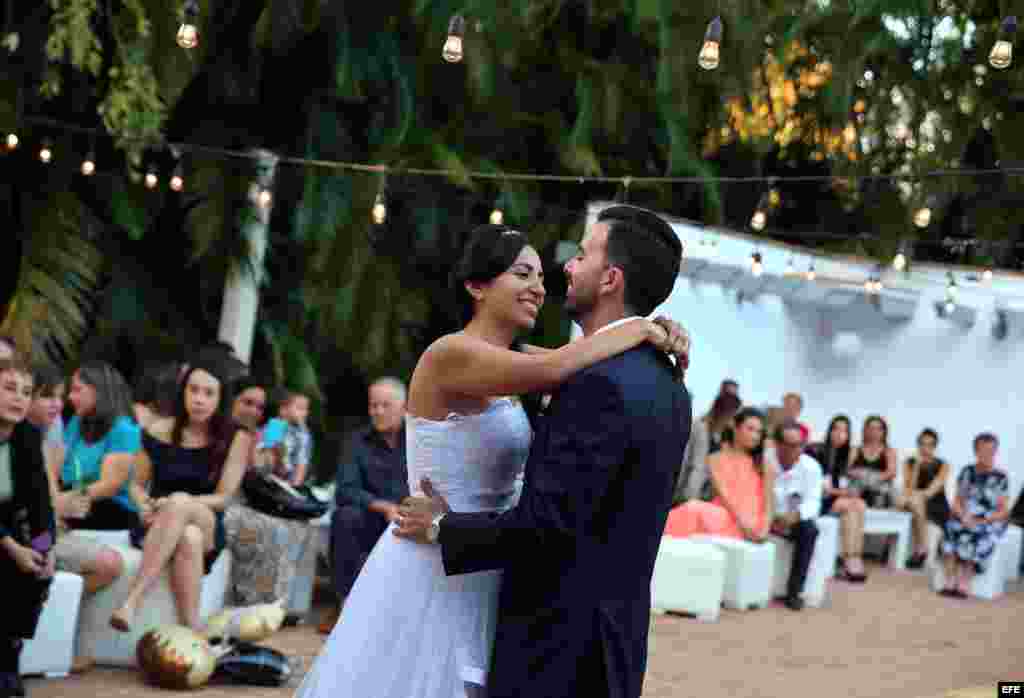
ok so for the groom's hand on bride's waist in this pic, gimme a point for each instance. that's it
(418, 514)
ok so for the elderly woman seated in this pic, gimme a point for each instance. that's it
(979, 518)
(743, 484)
(194, 462)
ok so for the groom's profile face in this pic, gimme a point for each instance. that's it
(584, 272)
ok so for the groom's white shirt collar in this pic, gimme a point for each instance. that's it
(616, 323)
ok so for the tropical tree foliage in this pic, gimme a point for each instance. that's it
(596, 87)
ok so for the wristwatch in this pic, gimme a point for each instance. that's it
(435, 528)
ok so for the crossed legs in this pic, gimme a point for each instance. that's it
(182, 532)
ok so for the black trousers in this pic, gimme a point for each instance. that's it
(354, 532)
(803, 536)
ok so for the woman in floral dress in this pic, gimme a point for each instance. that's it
(979, 515)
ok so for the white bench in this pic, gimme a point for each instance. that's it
(52, 650)
(749, 568)
(823, 562)
(689, 577)
(891, 522)
(97, 640)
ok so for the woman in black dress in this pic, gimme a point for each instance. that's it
(193, 463)
(924, 493)
(27, 524)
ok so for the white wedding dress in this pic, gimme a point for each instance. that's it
(406, 629)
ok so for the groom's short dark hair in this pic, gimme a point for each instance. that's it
(644, 246)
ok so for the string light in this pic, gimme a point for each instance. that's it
(12, 140)
(709, 52)
(452, 51)
(899, 262)
(380, 209)
(923, 216)
(952, 290)
(790, 266)
(950, 306)
(45, 152)
(177, 182)
(264, 199)
(89, 165)
(756, 264)
(188, 33)
(986, 275)
(151, 179)
(497, 216)
(1001, 55)
(811, 274)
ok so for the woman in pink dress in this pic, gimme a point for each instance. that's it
(743, 484)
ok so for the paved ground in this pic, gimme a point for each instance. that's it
(891, 638)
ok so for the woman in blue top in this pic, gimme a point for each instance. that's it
(192, 463)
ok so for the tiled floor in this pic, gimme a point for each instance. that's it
(890, 638)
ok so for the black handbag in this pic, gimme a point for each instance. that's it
(254, 665)
(273, 496)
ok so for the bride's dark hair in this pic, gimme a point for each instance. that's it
(488, 254)
(490, 251)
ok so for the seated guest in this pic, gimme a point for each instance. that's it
(743, 485)
(45, 415)
(26, 522)
(924, 493)
(873, 464)
(840, 499)
(694, 472)
(248, 410)
(296, 442)
(153, 396)
(798, 490)
(792, 406)
(371, 484)
(719, 419)
(193, 463)
(978, 517)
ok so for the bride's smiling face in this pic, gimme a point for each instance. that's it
(516, 295)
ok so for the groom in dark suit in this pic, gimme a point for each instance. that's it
(578, 550)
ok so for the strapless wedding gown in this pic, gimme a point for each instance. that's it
(406, 629)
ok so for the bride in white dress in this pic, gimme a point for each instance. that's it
(406, 629)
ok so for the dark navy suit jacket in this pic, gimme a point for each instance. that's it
(578, 550)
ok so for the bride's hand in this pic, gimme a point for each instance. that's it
(673, 339)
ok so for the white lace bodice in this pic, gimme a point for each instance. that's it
(474, 460)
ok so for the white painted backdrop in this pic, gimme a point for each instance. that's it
(920, 371)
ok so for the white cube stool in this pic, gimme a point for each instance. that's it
(891, 522)
(1001, 567)
(823, 562)
(52, 650)
(108, 647)
(689, 577)
(749, 568)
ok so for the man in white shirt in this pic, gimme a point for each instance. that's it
(798, 490)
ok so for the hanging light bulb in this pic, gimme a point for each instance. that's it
(188, 33)
(758, 220)
(497, 216)
(756, 265)
(811, 274)
(986, 275)
(380, 209)
(790, 266)
(46, 152)
(89, 164)
(151, 179)
(12, 141)
(950, 307)
(452, 51)
(709, 52)
(177, 182)
(923, 216)
(264, 198)
(1002, 51)
(899, 262)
